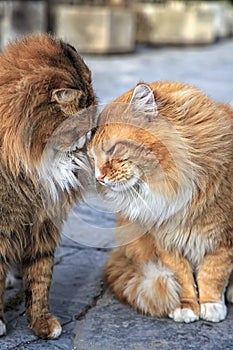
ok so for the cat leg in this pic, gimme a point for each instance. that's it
(37, 275)
(37, 268)
(212, 280)
(136, 274)
(188, 309)
(3, 273)
(152, 280)
(148, 286)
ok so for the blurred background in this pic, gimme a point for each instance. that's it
(123, 41)
(118, 26)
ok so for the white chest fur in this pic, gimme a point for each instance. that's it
(191, 243)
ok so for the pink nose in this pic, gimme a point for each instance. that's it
(100, 178)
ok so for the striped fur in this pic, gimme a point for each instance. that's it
(43, 81)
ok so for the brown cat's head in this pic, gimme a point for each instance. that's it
(44, 82)
(148, 149)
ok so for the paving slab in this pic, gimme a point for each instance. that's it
(77, 282)
(111, 325)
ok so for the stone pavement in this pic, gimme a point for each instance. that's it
(92, 318)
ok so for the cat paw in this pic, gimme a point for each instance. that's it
(47, 328)
(214, 312)
(183, 315)
(2, 328)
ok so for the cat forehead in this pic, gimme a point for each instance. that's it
(102, 146)
(116, 113)
(109, 137)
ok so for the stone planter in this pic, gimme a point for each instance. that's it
(95, 29)
(181, 23)
(19, 18)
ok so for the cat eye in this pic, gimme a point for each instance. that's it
(111, 150)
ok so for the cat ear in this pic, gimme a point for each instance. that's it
(143, 99)
(66, 95)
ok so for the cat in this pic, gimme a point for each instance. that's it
(164, 155)
(43, 82)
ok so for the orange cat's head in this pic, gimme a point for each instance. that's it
(141, 159)
(155, 147)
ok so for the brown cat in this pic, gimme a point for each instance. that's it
(43, 81)
(164, 153)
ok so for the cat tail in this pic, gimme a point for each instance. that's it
(150, 287)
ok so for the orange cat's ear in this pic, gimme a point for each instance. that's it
(66, 95)
(143, 100)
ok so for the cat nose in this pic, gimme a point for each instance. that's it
(100, 178)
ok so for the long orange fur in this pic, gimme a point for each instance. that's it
(181, 146)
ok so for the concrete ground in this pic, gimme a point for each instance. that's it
(91, 317)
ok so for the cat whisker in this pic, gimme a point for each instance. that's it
(142, 199)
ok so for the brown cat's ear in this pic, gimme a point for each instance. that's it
(143, 100)
(66, 95)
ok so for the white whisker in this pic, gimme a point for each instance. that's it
(144, 204)
(142, 199)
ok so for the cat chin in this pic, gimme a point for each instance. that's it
(148, 207)
(121, 186)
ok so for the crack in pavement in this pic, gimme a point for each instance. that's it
(28, 342)
(93, 302)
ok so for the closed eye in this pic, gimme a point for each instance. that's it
(121, 148)
(111, 150)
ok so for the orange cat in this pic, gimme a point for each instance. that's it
(164, 153)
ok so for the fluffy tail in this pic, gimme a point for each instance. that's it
(150, 287)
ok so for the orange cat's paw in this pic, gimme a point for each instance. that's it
(214, 312)
(47, 328)
(183, 315)
(2, 328)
